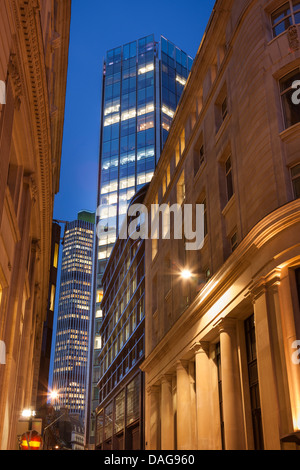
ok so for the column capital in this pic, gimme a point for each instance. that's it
(226, 324)
(201, 347)
(262, 285)
(153, 389)
(166, 378)
(182, 364)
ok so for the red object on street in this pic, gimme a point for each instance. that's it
(31, 440)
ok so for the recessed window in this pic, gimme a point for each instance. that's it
(234, 242)
(181, 189)
(224, 108)
(219, 370)
(221, 108)
(229, 179)
(291, 111)
(198, 158)
(295, 173)
(254, 383)
(285, 16)
(297, 275)
(205, 217)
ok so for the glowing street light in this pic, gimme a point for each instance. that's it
(53, 395)
(186, 274)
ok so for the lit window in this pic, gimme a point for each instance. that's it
(131, 113)
(285, 16)
(55, 258)
(181, 190)
(147, 68)
(295, 173)
(168, 111)
(112, 120)
(181, 80)
(149, 108)
(52, 298)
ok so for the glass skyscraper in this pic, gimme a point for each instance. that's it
(142, 85)
(74, 315)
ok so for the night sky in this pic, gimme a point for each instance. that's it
(96, 27)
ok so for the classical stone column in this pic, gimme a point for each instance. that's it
(231, 390)
(167, 416)
(153, 418)
(266, 368)
(203, 397)
(184, 409)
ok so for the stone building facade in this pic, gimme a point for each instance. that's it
(222, 366)
(33, 71)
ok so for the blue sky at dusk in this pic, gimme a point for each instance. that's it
(97, 26)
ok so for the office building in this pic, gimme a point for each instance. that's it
(34, 48)
(142, 85)
(120, 414)
(222, 323)
(73, 317)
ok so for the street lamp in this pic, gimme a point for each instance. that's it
(53, 395)
(186, 274)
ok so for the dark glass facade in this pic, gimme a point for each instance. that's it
(142, 85)
(73, 319)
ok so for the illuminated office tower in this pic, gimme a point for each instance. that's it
(142, 85)
(73, 318)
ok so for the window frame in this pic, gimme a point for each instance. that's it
(283, 95)
(293, 178)
(282, 20)
(229, 174)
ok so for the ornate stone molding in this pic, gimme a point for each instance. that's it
(293, 38)
(30, 180)
(16, 81)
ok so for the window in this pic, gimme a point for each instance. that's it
(224, 108)
(291, 111)
(234, 242)
(181, 189)
(154, 248)
(221, 107)
(198, 158)
(218, 362)
(285, 16)
(297, 274)
(154, 294)
(229, 180)
(55, 258)
(295, 173)
(203, 202)
(253, 383)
